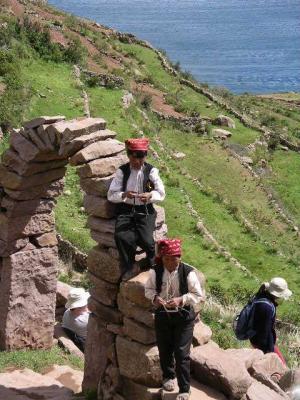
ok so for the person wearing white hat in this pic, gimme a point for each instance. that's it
(272, 293)
(76, 316)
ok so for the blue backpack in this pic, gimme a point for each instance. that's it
(243, 322)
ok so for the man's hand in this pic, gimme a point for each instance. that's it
(145, 197)
(129, 195)
(176, 302)
(158, 301)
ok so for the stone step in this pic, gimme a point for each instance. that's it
(26, 384)
(198, 392)
(67, 376)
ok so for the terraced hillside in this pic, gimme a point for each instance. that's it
(238, 217)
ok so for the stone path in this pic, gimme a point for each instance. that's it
(58, 383)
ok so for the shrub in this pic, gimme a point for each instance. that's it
(146, 101)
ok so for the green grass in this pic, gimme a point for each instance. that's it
(57, 83)
(285, 180)
(70, 220)
(38, 360)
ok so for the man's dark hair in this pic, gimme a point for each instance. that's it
(137, 153)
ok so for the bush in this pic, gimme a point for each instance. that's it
(75, 53)
(146, 101)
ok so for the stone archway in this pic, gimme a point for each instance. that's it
(31, 177)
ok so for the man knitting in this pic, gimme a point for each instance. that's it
(135, 187)
(175, 290)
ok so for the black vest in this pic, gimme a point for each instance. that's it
(188, 312)
(147, 183)
(183, 271)
(148, 186)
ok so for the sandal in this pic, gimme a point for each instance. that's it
(183, 396)
(168, 385)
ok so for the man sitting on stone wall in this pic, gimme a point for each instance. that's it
(175, 290)
(135, 187)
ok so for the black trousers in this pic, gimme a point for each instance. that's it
(134, 230)
(174, 334)
(78, 340)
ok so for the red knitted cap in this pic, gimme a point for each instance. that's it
(169, 247)
(137, 144)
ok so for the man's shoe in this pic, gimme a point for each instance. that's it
(183, 396)
(130, 274)
(168, 385)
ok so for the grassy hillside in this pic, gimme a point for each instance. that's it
(37, 77)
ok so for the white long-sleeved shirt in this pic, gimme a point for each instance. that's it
(77, 324)
(170, 287)
(135, 184)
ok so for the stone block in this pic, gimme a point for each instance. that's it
(38, 136)
(65, 342)
(160, 233)
(108, 314)
(34, 123)
(101, 224)
(98, 206)
(83, 141)
(26, 384)
(10, 247)
(139, 362)
(134, 391)
(96, 186)
(160, 216)
(45, 240)
(248, 356)
(15, 208)
(46, 191)
(19, 227)
(290, 380)
(213, 367)
(28, 151)
(13, 181)
(103, 291)
(12, 160)
(139, 314)
(139, 332)
(134, 290)
(106, 148)
(62, 292)
(104, 239)
(258, 391)
(76, 127)
(202, 334)
(102, 265)
(67, 376)
(28, 291)
(268, 370)
(98, 342)
(102, 167)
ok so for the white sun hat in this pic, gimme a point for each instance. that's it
(296, 393)
(77, 297)
(278, 287)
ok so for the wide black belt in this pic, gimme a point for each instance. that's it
(124, 208)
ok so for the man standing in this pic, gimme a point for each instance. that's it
(174, 289)
(135, 187)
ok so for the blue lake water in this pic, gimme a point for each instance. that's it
(244, 45)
